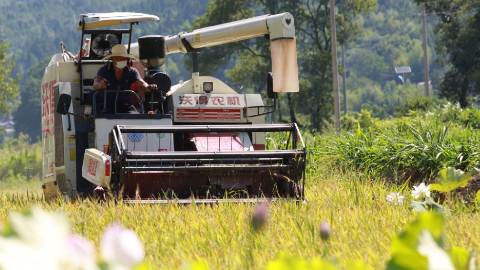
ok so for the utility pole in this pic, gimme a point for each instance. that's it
(344, 77)
(336, 99)
(425, 51)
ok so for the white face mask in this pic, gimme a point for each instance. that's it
(121, 64)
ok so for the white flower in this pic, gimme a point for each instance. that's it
(421, 191)
(42, 240)
(15, 254)
(121, 248)
(395, 198)
(438, 258)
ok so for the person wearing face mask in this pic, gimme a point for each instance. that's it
(117, 75)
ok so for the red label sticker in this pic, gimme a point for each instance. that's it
(92, 167)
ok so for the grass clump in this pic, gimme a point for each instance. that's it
(411, 148)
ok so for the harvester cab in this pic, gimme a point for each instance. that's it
(198, 140)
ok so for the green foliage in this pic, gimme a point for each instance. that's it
(219, 12)
(415, 147)
(420, 246)
(459, 24)
(419, 104)
(427, 205)
(20, 162)
(8, 85)
(471, 117)
(389, 38)
(28, 114)
(363, 120)
(449, 179)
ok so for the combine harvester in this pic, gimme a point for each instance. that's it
(200, 141)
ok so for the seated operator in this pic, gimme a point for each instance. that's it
(117, 75)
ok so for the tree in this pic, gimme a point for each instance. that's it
(313, 45)
(27, 116)
(8, 85)
(458, 32)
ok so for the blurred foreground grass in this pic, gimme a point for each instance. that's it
(175, 236)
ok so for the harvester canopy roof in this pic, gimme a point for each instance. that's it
(115, 18)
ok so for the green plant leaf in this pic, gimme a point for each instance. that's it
(430, 204)
(404, 248)
(433, 222)
(417, 206)
(450, 179)
(407, 259)
(474, 171)
(460, 257)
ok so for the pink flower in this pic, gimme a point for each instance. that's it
(325, 230)
(121, 248)
(259, 217)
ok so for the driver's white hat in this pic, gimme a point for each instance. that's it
(119, 50)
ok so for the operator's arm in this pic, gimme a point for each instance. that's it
(142, 85)
(100, 83)
(145, 87)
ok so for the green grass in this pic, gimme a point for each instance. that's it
(413, 149)
(220, 234)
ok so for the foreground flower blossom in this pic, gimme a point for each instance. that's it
(81, 252)
(421, 191)
(121, 248)
(395, 198)
(42, 240)
(259, 216)
(325, 230)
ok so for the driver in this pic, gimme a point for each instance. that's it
(117, 75)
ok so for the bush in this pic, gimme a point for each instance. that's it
(419, 104)
(471, 118)
(364, 119)
(20, 159)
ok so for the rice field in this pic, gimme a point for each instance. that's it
(221, 237)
